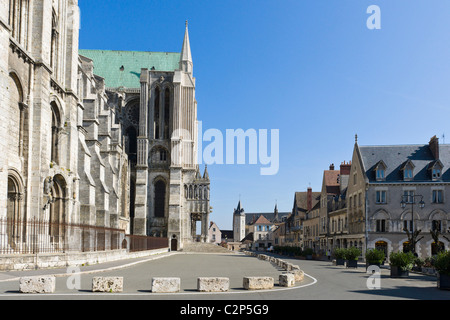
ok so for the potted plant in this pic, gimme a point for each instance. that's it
(351, 257)
(374, 257)
(442, 265)
(401, 263)
(339, 255)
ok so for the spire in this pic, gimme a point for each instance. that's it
(206, 174)
(239, 210)
(186, 57)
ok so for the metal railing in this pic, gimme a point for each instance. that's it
(36, 236)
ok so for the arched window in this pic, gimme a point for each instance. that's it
(160, 198)
(17, 111)
(57, 209)
(166, 113)
(54, 44)
(156, 113)
(56, 127)
(14, 210)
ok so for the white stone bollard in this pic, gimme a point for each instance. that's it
(213, 284)
(38, 284)
(107, 284)
(166, 285)
(287, 280)
(258, 283)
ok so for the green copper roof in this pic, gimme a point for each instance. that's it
(108, 65)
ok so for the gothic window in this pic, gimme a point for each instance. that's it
(131, 146)
(57, 209)
(56, 127)
(156, 114)
(14, 206)
(160, 196)
(166, 113)
(18, 20)
(54, 44)
(16, 131)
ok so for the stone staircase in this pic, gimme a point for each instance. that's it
(204, 247)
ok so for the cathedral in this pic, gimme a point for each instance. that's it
(95, 137)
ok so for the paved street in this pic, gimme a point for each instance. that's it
(322, 280)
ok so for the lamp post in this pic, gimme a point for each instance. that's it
(411, 199)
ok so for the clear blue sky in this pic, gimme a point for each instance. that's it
(311, 69)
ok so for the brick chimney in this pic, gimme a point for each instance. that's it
(345, 168)
(434, 147)
(309, 199)
(332, 167)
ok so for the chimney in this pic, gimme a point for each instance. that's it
(332, 167)
(434, 147)
(345, 168)
(309, 199)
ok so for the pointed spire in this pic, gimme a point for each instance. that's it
(186, 56)
(206, 174)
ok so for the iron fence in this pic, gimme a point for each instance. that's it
(36, 236)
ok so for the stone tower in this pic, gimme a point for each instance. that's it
(238, 223)
(158, 111)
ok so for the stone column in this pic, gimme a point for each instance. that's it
(140, 215)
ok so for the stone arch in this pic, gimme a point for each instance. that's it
(15, 213)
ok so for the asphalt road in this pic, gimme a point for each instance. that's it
(323, 281)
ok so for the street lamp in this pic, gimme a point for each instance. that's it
(411, 199)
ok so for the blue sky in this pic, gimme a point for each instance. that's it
(311, 69)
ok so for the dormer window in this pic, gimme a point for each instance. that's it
(380, 171)
(408, 169)
(435, 168)
(436, 173)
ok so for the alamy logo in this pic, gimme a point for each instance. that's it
(235, 147)
(73, 17)
(374, 21)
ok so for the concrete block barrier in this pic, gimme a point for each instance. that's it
(166, 285)
(299, 275)
(39, 284)
(213, 284)
(258, 283)
(107, 284)
(287, 279)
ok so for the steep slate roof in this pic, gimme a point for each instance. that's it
(395, 157)
(108, 63)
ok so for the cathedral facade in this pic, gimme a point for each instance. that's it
(102, 138)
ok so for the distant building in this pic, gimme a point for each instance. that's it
(262, 231)
(214, 233)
